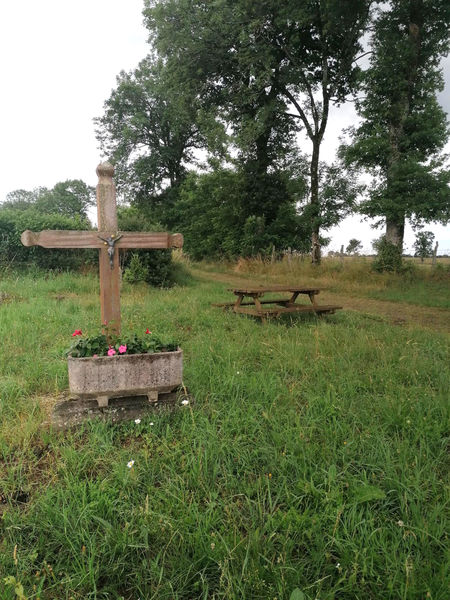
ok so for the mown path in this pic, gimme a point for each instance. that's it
(398, 313)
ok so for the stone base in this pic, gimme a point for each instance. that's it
(73, 412)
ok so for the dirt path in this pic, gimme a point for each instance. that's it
(397, 313)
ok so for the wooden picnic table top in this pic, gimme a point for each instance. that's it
(275, 288)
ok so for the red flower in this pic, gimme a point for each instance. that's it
(77, 332)
(148, 331)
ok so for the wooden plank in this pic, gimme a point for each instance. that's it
(266, 290)
(61, 239)
(149, 240)
(90, 239)
(289, 309)
(251, 303)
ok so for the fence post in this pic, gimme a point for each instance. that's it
(434, 259)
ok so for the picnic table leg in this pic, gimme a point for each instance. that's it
(312, 297)
(238, 302)
(293, 298)
(259, 308)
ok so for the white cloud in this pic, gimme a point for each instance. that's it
(59, 63)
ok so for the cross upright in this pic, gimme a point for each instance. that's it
(108, 240)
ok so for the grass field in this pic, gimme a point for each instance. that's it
(312, 462)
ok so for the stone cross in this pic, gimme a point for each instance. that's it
(108, 240)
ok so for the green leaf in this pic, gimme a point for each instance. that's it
(367, 493)
(297, 595)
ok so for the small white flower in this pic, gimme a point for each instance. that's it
(130, 464)
(185, 402)
(400, 523)
(338, 565)
(151, 423)
(237, 372)
(137, 421)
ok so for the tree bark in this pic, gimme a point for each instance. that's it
(314, 174)
(395, 225)
(395, 231)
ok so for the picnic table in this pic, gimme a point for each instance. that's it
(254, 306)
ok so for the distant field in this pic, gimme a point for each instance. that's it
(313, 459)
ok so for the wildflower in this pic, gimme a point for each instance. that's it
(137, 421)
(185, 402)
(77, 332)
(151, 423)
(338, 565)
(148, 331)
(122, 349)
(345, 443)
(213, 545)
(400, 523)
(237, 372)
(130, 464)
(111, 351)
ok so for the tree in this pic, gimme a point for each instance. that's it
(149, 130)
(423, 245)
(354, 246)
(20, 199)
(287, 61)
(71, 198)
(404, 128)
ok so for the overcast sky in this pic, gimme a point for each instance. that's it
(59, 61)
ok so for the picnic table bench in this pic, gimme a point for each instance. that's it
(282, 305)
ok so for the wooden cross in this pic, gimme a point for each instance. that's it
(108, 240)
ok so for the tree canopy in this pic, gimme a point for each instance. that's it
(403, 128)
(271, 67)
(71, 198)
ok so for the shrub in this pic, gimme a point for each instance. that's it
(13, 254)
(389, 256)
(155, 267)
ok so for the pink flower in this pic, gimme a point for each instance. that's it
(148, 331)
(77, 332)
(122, 349)
(111, 351)
(95, 356)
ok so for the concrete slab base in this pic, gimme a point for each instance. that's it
(72, 412)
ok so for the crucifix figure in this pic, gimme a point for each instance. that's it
(108, 240)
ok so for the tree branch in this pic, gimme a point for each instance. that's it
(300, 112)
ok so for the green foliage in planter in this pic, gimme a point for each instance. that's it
(132, 344)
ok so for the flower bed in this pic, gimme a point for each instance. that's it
(130, 366)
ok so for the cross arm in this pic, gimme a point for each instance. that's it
(94, 239)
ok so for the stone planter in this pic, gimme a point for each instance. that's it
(117, 376)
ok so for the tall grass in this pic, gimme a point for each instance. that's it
(313, 458)
(428, 286)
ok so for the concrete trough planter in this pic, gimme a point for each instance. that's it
(124, 375)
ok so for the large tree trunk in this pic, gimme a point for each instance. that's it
(315, 212)
(395, 231)
(395, 225)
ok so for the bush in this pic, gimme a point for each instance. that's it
(389, 256)
(155, 267)
(13, 254)
(221, 218)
